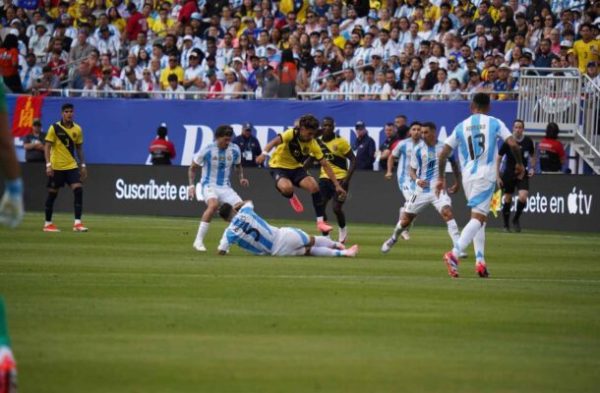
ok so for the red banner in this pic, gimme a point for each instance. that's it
(27, 108)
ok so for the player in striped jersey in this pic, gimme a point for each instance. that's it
(253, 234)
(476, 139)
(403, 152)
(424, 172)
(217, 161)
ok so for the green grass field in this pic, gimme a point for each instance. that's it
(130, 307)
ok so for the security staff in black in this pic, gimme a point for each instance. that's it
(249, 146)
(508, 181)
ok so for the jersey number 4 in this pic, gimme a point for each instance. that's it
(476, 141)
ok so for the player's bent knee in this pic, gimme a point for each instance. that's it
(447, 213)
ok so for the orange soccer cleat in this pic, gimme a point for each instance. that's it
(481, 269)
(51, 228)
(79, 228)
(296, 204)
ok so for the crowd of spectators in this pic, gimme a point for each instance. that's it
(316, 49)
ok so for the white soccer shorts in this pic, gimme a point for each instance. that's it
(407, 192)
(290, 242)
(419, 201)
(220, 193)
(479, 194)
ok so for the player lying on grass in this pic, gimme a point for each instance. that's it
(253, 234)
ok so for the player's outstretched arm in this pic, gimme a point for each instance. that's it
(82, 166)
(192, 180)
(352, 158)
(325, 165)
(442, 160)
(390, 167)
(243, 181)
(272, 143)
(457, 177)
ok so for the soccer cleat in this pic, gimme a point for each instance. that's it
(297, 205)
(388, 244)
(481, 269)
(405, 235)
(199, 246)
(51, 228)
(352, 251)
(322, 226)
(452, 264)
(517, 226)
(79, 228)
(8, 371)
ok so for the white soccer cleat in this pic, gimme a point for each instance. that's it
(405, 235)
(352, 251)
(199, 246)
(388, 244)
(463, 255)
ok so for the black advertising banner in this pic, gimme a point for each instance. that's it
(556, 202)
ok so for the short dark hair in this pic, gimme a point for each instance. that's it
(328, 118)
(162, 132)
(223, 130)
(309, 121)
(415, 123)
(225, 211)
(172, 78)
(430, 124)
(66, 106)
(402, 116)
(519, 121)
(481, 100)
(552, 130)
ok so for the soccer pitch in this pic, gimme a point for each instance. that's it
(131, 307)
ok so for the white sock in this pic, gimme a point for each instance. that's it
(466, 236)
(77, 222)
(479, 244)
(47, 222)
(453, 231)
(320, 219)
(324, 241)
(325, 252)
(202, 230)
(398, 230)
(343, 233)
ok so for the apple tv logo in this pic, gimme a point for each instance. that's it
(579, 203)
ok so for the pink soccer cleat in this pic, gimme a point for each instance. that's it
(296, 204)
(452, 264)
(481, 269)
(324, 227)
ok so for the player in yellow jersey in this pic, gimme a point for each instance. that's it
(337, 152)
(63, 139)
(587, 48)
(293, 148)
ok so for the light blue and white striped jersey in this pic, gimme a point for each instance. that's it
(217, 163)
(250, 232)
(477, 141)
(425, 162)
(403, 152)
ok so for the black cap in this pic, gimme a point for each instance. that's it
(247, 126)
(360, 125)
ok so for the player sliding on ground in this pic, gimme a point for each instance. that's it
(476, 140)
(217, 161)
(402, 152)
(424, 170)
(294, 147)
(253, 234)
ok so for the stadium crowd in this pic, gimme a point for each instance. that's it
(315, 49)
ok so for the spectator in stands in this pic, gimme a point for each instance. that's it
(131, 83)
(364, 147)
(162, 151)
(81, 48)
(172, 69)
(34, 143)
(214, 85)
(287, 74)
(174, 90)
(232, 87)
(9, 63)
(249, 146)
(592, 72)
(108, 44)
(30, 72)
(551, 151)
(79, 76)
(108, 83)
(587, 48)
(270, 83)
(47, 82)
(39, 42)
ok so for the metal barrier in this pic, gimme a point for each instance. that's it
(550, 95)
(587, 140)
